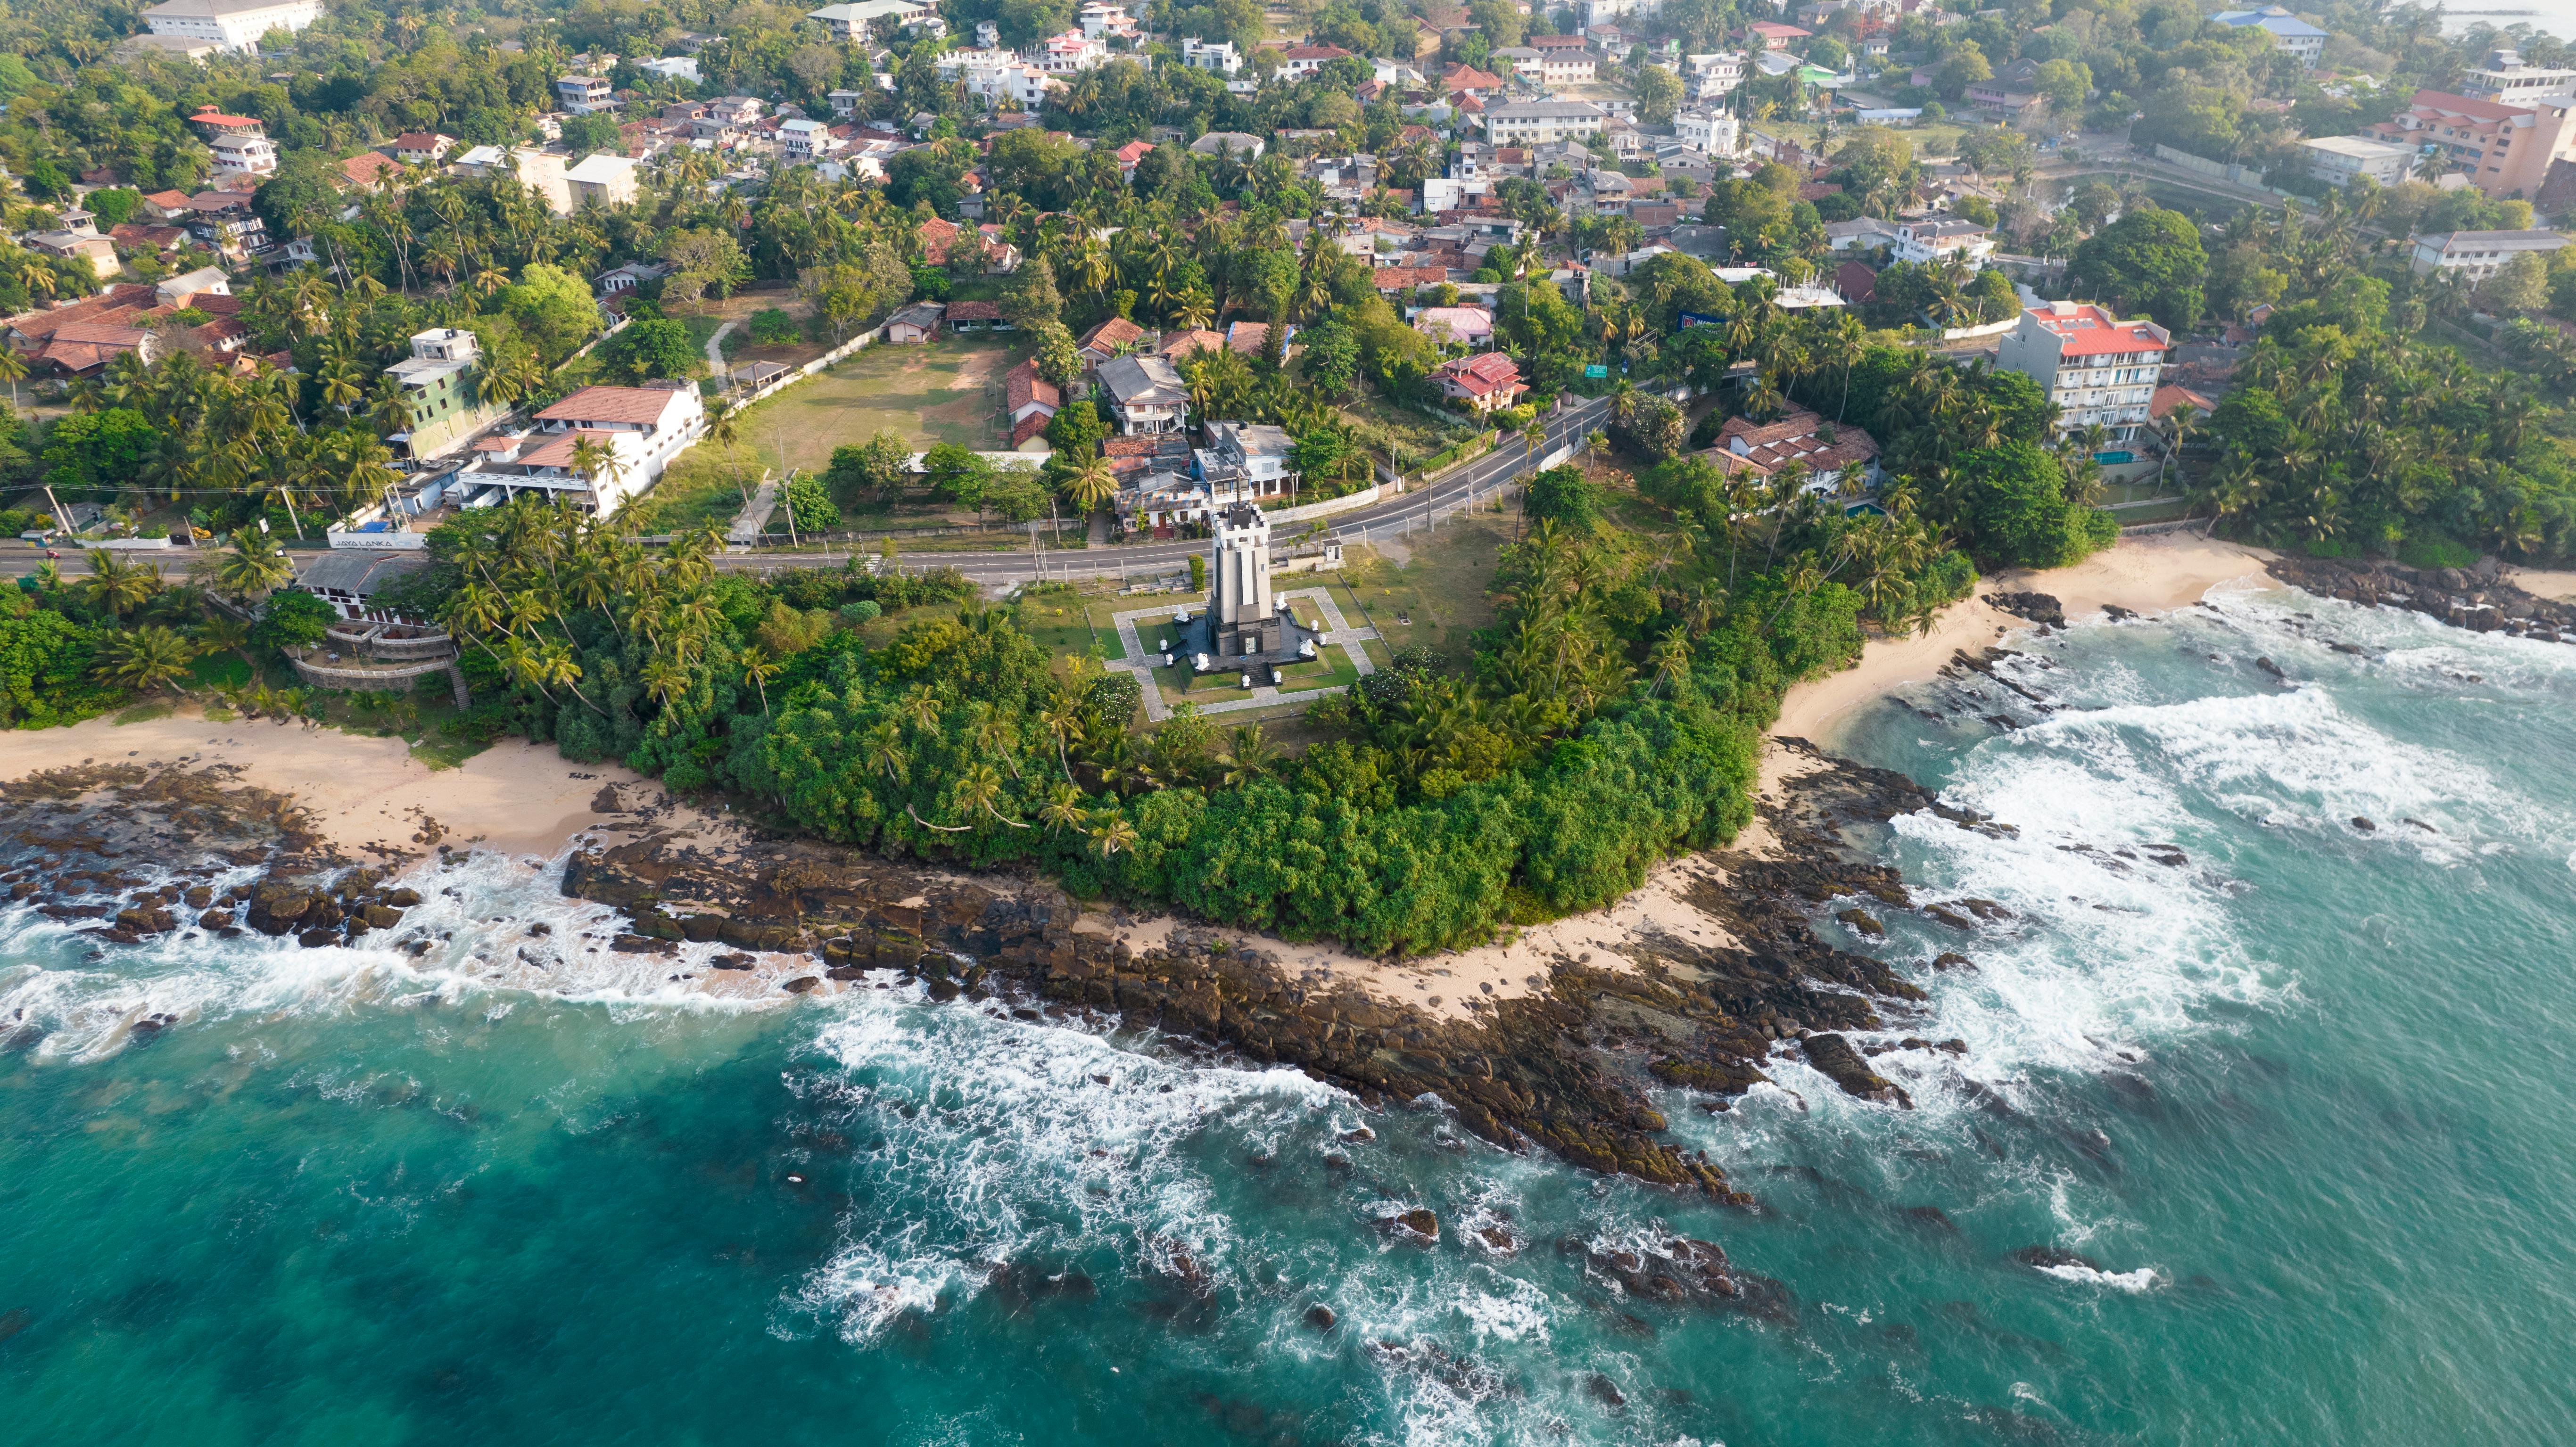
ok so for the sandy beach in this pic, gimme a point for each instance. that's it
(364, 793)
(370, 795)
(2144, 575)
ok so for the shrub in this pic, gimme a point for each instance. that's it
(773, 327)
(1566, 495)
(1116, 695)
(861, 611)
(294, 619)
(811, 504)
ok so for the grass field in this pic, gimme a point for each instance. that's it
(928, 395)
(1418, 433)
(1435, 597)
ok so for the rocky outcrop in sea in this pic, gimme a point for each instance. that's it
(1567, 1068)
(2478, 599)
(130, 852)
(1575, 1066)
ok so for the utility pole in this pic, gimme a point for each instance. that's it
(60, 516)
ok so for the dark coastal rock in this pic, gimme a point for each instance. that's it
(2037, 607)
(1835, 1059)
(14, 1321)
(2044, 1256)
(800, 984)
(2477, 599)
(276, 909)
(1681, 1271)
(1321, 1318)
(1861, 920)
(1606, 1392)
(635, 944)
(314, 939)
(1564, 1069)
(1418, 1224)
(146, 920)
(215, 919)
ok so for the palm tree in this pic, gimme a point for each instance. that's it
(725, 428)
(117, 585)
(1252, 756)
(13, 369)
(757, 669)
(1114, 833)
(253, 567)
(1063, 809)
(221, 632)
(663, 678)
(145, 659)
(1090, 484)
(981, 788)
(340, 385)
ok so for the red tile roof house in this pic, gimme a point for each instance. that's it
(420, 148)
(1103, 341)
(975, 316)
(1469, 79)
(121, 304)
(1026, 394)
(1409, 278)
(1484, 382)
(1800, 437)
(83, 348)
(1190, 343)
(370, 170)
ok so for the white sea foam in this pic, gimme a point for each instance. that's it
(1026, 1141)
(494, 925)
(2145, 1278)
(2111, 955)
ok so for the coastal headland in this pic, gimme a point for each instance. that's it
(1552, 1036)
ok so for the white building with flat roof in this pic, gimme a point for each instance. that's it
(2099, 370)
(850, 22)
(1538, 122)
(2481, 254)
(231, 24)
(2335, 160)
(2507, 78)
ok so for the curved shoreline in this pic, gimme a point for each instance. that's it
(1559, 1035)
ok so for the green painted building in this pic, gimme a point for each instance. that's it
(439, 381)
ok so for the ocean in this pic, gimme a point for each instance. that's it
(2540, 17)
(2262, 1133)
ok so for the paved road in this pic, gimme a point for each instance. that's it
(1509, 460)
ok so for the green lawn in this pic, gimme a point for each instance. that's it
(1437, 598)
(928, 395)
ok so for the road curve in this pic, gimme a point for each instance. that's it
(1509, 460)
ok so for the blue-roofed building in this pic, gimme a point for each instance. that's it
(2289, 32)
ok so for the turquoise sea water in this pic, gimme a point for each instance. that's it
(2301, 1101)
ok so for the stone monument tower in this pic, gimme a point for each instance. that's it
(1246, 621)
